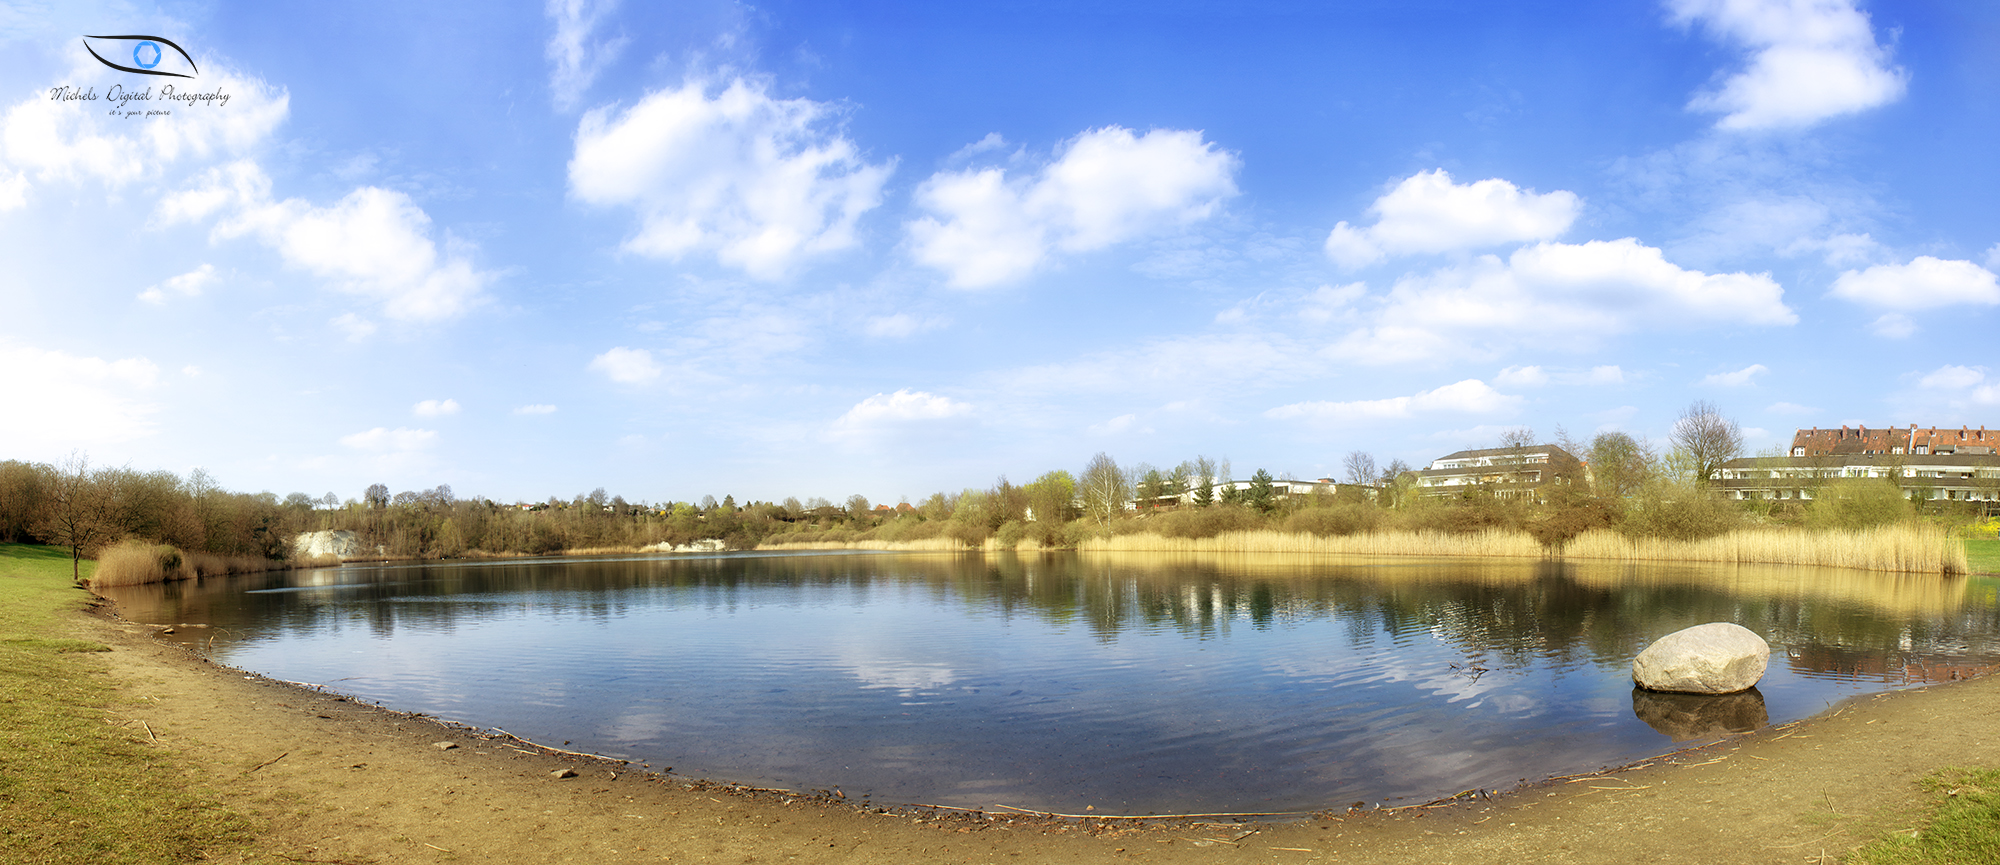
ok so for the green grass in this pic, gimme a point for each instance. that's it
(1983, 554)
(1963, 827)
(74, 786)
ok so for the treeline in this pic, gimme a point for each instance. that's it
(1631, 487)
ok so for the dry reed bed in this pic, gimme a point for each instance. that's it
(133, 563)
(1905, 548)
(1914, 548)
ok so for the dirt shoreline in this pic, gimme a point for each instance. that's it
(334, 780)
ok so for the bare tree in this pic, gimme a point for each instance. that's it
(1360, 467)
(1105, 488)
(78, 513)
(1706, 439)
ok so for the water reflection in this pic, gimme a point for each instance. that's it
(1141, 683)
(1684, 717)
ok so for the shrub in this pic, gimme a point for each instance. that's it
(1857, 504)
(1341, 518)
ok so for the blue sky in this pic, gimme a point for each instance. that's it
(819, 249)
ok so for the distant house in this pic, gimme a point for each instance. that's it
(1914, 441)
(1926, 464)
(1511, 472)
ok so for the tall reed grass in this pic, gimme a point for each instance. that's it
(1492, 542)
(132, 563)
(1906, 547)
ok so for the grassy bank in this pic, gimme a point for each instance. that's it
(1963, 825)
(75, 785)
(1983, 555)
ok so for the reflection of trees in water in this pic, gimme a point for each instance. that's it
(1499, 613)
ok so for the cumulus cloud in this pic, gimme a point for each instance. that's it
(761, 182)
(374, 242)
(1809, 60)
(1953, 377)
(903, 405)
(435, 408)
(385, 440)
(78, 400)
(1535, 376)
(1740, 378)
(1428, 213)
(627, 365)
(54, 141)
(536, 408)
(1924, 283)
(1105, 186)
(1577, 292)
(1968, 387)
(185, 285)
(1470, 396)
(575, 59)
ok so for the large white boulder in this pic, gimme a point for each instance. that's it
(339, 543)
(1716, 658)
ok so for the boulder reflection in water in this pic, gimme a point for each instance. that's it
(1699, 716)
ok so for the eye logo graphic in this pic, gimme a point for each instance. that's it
(148, 57)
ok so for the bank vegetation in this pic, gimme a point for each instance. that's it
(1635, 501)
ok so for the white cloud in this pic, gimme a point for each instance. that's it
(1973, 389)
(576, 60)
(435, 408)
(1893, 325)
(1809, 60)
(1924, 283)
(758, 180)
(902, 324)
(186, 285)
(627, 365)
(1428, 213)
(1578, 293)
(374, 242)
(1105, 186)
(1993, 257)
(1470, 396)
(385, 440)
(1841, 250)
(536, 408)
(903, 405)
(1953, 378)
(1522, 376)
(1119, 425)
(1535, 376)
(67, 142)
(1740, 378)
(77, 400)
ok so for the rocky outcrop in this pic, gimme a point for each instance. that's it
(1716, 658)
(339, 543)
(706, 545)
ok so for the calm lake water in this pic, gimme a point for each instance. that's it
(1132, 684)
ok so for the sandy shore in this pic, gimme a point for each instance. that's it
(342, 782)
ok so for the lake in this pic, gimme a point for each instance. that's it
(1124, 683)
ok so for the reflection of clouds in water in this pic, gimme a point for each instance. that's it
(907, 678)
